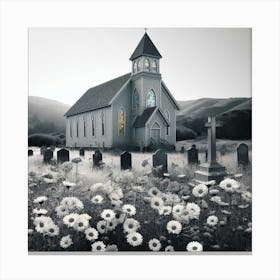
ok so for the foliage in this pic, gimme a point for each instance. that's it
(40, 139)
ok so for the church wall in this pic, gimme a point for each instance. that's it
(88, 140)
(166, 105)
(123, 100)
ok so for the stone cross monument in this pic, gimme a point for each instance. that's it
(211, 170)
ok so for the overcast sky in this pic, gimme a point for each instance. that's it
(196, 62)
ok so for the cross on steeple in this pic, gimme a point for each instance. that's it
(211, 125)
(145, 29)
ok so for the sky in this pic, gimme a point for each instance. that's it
(196, 62)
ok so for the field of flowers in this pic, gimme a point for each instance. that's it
(73, 207)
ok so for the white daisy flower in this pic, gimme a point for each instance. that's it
(70, 219)
(129, 209)
(98, 246)
(212, 220)
(97, 199)
(111, 225)
(52, 230)
(200, 190)
(167, 210)
(97, 187)
(134, 239)
(156, 202)
(81, 223)
(91, 234)
(169, 248)
(114, 196)
(178, 209)
(194, 246)
(68, 184)
(66, 241)
(108, 214)
(193, 209)
(61, 211)
(247, 196)
(72, 203)
(217, 199)
(131, 225)
(154, 244)
(174, 227)
(85, 216)
(229, 185)
(41, 223)
(101, 226)
(116, 203)
(40, 211)
(40, 199)
(154, 192)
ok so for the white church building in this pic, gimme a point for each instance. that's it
(135, 110)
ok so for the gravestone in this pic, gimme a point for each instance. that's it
(43, 149)
(193, 155)
(211, 170)
(160, 159)
(30, 153)
(62, 155)
(125, 160)
(183, 150)
(52, 147)
(242, 155)
(82, 152)
(96, 158)
(48, 155)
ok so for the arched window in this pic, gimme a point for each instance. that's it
(135, 66)
(154, 66)
(138, 65)
(85, 131)
(147, 65)
(121, 122)
(77, 129)
(135, 99)
(151, 99)
(92, 125)
(168, 118)
(102, 124)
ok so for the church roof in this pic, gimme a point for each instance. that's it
(141, 120)
(98, 96)
(145, 47)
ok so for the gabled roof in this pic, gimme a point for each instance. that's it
(145, 47)
(141, 120)
(99, 96)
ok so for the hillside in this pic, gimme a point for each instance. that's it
(233, 113)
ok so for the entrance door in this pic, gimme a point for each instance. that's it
(155, 133)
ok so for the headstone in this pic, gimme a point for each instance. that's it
(193, 155)
(160, 159)
(96, 158)
(183, 150)
(48, 155)
(30, 153)
(43, 149)
(52, 147)
(125, 160)
(211, 170)
(82, 152)
(62, 155)
(242, 154)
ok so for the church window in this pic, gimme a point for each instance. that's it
(168, 118)
(77, 127)
(85, 132)
(138, 65)
(135, 66)
(92, 125)
(147, 65)
(70, 128)
(151, 99)
(135, 99)
(154, 66)
(121, 122)
(102, 124)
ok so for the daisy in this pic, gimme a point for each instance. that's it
(134, 239)
(97, 199)
(85, 216)
(212, 220)
(68, 184)
(72, 203)
(108, 214)
(97, 187)
(40, 199)
(40, 211)
(154, 192)
(130, 225)
(193, 209)
(166, 210)
(156, 202)
(98, 246)
(66, 241)
(154, 244)
(129, 209)
(174, 227)
(70, 219)
(52, 230)
(101, 226)
(194, 246)
(178, 209)
(200, 190)
(169, 248)
(91, 234)
(111, 225)
(114, 196)
(217, 199)
(41, 223)
(61, 211)
(229, 185)
(247, 196)
(116, 203)
(81, 223)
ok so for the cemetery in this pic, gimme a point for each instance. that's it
(97, 200)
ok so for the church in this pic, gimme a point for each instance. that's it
(135, 110)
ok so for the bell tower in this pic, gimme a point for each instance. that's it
(145, 76)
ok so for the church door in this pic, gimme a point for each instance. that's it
(155, 133)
